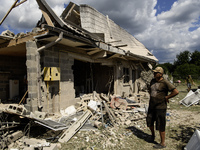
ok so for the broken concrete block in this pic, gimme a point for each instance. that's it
(122, 119)
(53, 146)
(97, 124)
(36, 143)
(8, 33)
(17, 109)
(38, 115)
(15, 136)
(93, 105)
(70, 110)
(128, 122)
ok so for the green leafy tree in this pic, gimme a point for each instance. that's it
(182, 58)
(195, 58)
(186, 63)
(169, 66)
(186, 69)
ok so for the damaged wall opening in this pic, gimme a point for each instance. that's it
(89, 77)
(13, 82)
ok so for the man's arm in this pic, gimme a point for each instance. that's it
(172, 94)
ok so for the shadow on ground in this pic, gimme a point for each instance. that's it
(182, 134)
(142, 135)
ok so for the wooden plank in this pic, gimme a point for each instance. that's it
(72, 7)
(75, 127)
(20, 3)
(93, 52)
(8, 11)
(110, 113)
(47, 18)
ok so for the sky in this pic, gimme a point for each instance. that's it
(165, 27)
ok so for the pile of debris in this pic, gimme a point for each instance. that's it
(22, 129)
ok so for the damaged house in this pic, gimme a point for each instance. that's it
(64, 57)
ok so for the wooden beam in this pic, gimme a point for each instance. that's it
(114, 56)
(100, 54)
(47, 18)
(114, 41)
(14, 42)
(70, 11)
(121, 45)
(20, 3)
(8, 11)
(93, 52)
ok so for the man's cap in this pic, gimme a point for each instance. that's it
(159, 69)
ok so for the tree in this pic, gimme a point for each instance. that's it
(183, 58)
(186, 69)
(186, 63)
(195, 58)
(169, 66)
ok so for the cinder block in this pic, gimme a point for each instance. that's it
(15, 136)
(30, 44)
(18, 109)
(53, 146)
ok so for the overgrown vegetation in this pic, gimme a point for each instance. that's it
(186, 63)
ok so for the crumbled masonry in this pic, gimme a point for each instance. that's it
(17, 124)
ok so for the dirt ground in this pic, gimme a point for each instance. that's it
(181, 124)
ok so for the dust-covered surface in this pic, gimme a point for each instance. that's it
(127, 131)
(181, 123)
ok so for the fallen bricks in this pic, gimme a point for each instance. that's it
(93, 109)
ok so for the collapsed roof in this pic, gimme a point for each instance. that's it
(82, 27)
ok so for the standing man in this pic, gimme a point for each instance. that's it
(159, 88)
(189, 81)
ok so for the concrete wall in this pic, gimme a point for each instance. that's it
(49, 96)
(67, 80)
(59, 94)
(32, 75)
(122, 88)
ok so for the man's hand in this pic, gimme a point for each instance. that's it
(172, 94)
(167, 99)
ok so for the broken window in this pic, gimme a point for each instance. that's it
(126, 75)
(92, 76)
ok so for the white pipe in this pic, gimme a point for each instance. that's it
(52, 43)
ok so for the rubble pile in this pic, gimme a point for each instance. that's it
(99, 116)
(9, 33)
(144, 81)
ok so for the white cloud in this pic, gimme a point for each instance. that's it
(183, 11)
(170, 32)
(23, 17)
